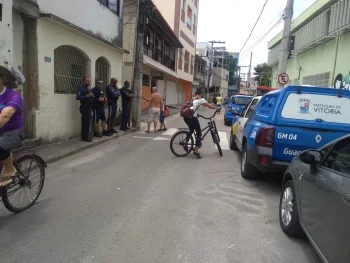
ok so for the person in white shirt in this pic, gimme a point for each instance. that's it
(193, 123)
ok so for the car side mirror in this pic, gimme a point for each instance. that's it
(312, 157)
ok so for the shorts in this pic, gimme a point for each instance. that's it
(99, 114)
(112, 110)
(161, 117)
(11, 140)
(153, 114)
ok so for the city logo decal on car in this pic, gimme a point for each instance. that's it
(304, 105)
(254, 133)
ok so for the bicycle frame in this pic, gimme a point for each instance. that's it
(206, 130)
(19, 153)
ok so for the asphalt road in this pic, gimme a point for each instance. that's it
(131, 201)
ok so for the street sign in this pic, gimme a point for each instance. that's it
(283, 78)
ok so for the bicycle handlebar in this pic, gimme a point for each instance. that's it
(208, 118)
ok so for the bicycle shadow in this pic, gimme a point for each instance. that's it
(34, 216)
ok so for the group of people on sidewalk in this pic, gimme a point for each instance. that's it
(93, 102)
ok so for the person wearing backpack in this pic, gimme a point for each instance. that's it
(190, 114)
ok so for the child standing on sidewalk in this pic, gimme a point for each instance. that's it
(162, 118)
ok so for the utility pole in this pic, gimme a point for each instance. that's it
(141, 16)
(249, 70)
(283, 58)
(211, 59)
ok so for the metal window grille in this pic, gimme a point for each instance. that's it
(70, 66)
(320, 80)
(102, 70)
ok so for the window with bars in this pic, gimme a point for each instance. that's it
(192, 64)
(187, 62)
(182, 7)
(194, 24)
(113, 5)
(320, 80)
(181, 56)
(70, 66)
(102, 70)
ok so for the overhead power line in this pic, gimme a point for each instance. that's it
(256, 22)
(247, 52)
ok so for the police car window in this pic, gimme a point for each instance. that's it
(244, 111)
(339, 158)
(251, 108)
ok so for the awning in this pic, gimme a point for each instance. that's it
(265, 88)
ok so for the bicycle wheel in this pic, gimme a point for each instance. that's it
(216, 142)
(216, 130)
(28, 186)
(179, 139)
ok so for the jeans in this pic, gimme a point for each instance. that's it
(194, 125)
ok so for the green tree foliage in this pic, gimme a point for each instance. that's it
(265, 74)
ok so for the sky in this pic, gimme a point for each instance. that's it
(232, 20)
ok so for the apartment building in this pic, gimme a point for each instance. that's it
(55, 44)
(182, 16)
(160, 48)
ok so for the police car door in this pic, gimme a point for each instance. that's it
(243, 118)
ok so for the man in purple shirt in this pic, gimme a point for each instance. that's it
(11, 130)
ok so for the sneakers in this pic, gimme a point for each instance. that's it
(197, 155)
(113, 131)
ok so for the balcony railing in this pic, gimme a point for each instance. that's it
(158, 55)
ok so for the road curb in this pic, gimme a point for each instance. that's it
(83, 148)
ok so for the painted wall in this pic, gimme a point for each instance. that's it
(167, 8)
(87, 14)
(219, 77)
(6, 32)
(18, 33)
(318, 60)
(61, 111)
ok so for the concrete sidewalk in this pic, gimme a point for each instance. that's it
(57, 151)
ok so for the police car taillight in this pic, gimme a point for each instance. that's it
(266, 137)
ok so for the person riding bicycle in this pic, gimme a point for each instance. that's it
(11, 130)
(193, 123)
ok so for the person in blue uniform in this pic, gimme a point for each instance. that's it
(86, 98)
(99, 110)
(126, 105)
(112, 98)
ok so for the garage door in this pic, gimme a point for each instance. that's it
(171, 95)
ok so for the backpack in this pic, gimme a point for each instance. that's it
(186, 111)
(166, 112)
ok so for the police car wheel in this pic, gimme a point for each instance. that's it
(233, 145)
(248, 171)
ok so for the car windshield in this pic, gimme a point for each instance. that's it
(241, 100)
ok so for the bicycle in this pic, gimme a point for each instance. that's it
(23, 180)
(188, 144)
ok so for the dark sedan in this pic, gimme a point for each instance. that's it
(315, 200)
